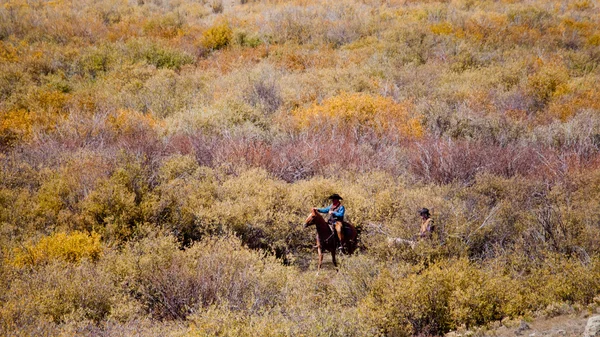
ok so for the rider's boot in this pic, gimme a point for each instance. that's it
(340, 234)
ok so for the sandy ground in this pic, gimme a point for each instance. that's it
(570, 325)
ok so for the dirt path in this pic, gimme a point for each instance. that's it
(565, 325)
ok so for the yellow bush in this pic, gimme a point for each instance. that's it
(50, 100)
(72, 247)
(581, 5)
(548, 82)
(442, 28)
(563, 280)
(359, 110)
(594, 40)
(8, 52)
(217, 36)
(14, 127)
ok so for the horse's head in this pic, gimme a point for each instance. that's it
(310, 220)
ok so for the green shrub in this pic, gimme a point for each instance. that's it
(97, 61)
(157, 55)
(185, 192)
(113, 208)
(166, 58)
(56, 197)
(245, 39)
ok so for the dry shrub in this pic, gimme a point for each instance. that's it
(264, 94)
(57, 292)
(134, 132)
(355, 279)
(167, 26)
(163, 94)
(220, 321)
(583, 62)
(57, 198)
(507, 82)
(216, 6)
(290, 24)
(548, 82)
(173, 284)
(231, 59)
(125, 122)
(440, 298)
(450, 161)
(319, 322)
(333, 24)
(184, 193)
(17, 212)
(253, 205)
(315, 156)
(296, 58)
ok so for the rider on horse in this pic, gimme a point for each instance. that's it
(427, 225)
(336, 215)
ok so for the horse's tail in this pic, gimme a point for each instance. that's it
(352, 241)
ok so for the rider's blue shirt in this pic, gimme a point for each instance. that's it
(338, 214)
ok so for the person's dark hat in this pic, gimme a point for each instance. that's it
(424, 211)
(335, 196)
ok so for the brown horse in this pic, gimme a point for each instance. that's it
(327, 238)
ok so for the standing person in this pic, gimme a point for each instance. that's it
(335, 213)
(427, 225)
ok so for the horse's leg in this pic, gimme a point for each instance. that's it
(320, 258)
(333, 257)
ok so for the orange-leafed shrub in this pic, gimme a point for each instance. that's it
(14, 126)
(126, 122)
(364, 112)
(570, 105)
(71, 247)
(52, 101)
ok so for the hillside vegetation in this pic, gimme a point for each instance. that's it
(158, 159)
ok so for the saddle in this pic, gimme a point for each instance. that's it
(346, 230)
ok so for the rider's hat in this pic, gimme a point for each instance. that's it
(335, 196)
(424, 211)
